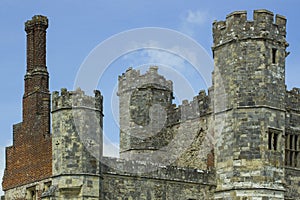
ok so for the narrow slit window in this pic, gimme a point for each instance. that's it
(274, 53)
(275, 141)
(270, 140)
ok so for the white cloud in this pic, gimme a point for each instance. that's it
(196, 17)
(165, 58)
(191, 20)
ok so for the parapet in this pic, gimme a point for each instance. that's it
(37, 20)
(76, 99)
(198, 107)
(132, 79)
(237, 27)
(144, 169)
(293, 99)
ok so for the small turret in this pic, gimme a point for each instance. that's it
(144, 102)
(77, 141)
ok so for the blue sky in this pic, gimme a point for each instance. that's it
(77, 27)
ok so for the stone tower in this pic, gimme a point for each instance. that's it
(77, 144)
(249, 80)
(144, 102)
(31, 148)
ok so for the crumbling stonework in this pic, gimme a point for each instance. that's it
(238, 141)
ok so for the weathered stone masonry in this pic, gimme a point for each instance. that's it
(240, 141)
(249, 58)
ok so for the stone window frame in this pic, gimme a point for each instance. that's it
(274, 139)
(274, 55)
(292, 149)
(47, 186)
(31, 193)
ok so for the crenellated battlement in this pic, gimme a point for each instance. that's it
(133, 79)
(199, 106)
(293, 99)
(37, 20)
(238, 27)
(76, 99)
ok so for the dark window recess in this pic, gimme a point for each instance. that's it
(292, 150)
(270, 140)
(31, 193)
(274, 52)
(273, 139)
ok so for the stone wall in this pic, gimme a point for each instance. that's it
(292, 176)
(141, 180)
(33, 190)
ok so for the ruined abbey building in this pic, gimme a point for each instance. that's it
(239, 141)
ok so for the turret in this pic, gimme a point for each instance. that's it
(249, 99)
(77, 143)
(144, 102)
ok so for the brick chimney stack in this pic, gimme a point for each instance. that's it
(29, 159)
(36, 100)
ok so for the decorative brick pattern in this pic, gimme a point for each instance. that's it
(29, 159)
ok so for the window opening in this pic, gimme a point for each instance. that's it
(31, 193)
(273, 139)
(292, 150)
(274, 52)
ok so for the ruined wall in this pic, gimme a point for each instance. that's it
(154, 129)
(193, 140)
(144, 102)
(142, 180)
